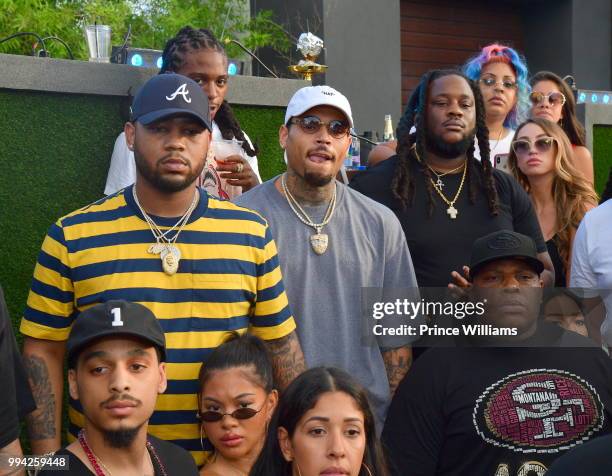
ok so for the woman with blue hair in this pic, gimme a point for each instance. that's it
(502, 75)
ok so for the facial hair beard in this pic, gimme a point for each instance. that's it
(164, 184)
(121, 438)
(436, 145)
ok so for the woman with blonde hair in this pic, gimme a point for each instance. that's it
(541, 160)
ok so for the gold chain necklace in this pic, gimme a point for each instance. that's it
(168, 252)
(451, 210)
(439, 176)
(318, 241)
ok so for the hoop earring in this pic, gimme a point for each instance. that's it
(298, 468)
(202, 436)
(367, 469)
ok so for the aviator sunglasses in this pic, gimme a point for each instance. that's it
(555, 98)
(312, 125)
(239, 414)
(523, 146)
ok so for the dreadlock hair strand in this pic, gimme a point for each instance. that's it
(190, 39)
(411, 148)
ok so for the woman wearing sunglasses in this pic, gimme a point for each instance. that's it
(541, 160)
(551, 98)
(501, 73)
(235, 404)
(323, 426)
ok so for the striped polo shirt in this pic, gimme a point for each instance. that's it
(229, 279)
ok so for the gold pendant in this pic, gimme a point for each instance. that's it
(452, 212)
(319, 242)
(170, 258)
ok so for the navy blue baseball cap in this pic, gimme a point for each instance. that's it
(168, 95)
(112, 319)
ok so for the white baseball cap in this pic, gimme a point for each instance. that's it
(312, 96)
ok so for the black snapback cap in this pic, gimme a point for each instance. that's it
(114, 318)
(504, 244)
(167, 95)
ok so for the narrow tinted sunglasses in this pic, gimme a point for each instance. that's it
(555, 98)
(312, 125)
(506, 83)
(239, 414)
(523, 146)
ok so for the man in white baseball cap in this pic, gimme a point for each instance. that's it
(332, 241)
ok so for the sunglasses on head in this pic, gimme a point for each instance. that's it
(506, 83)
(239, 414)
(555, 98)
(312, 125)
(523, 146)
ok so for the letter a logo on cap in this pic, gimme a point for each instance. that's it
(183, 91)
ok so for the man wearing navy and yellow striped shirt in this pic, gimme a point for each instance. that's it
(205, 267)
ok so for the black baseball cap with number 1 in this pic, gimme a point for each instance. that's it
(112, 319)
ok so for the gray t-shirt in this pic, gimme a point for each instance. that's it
(367, 248)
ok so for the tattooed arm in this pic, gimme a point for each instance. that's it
(397, 363)
(287, 359)
(43, 361)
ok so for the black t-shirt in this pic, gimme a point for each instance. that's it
(590, 459)
(439, 244)
(499, 411)
(176, 461)
(17, 400)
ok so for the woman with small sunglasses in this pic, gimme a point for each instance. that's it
(501, 73)
(552, 99)
(323, 425)
(541, 160)
(235, 405)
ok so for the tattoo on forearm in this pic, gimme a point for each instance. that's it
(287, 359)
(41, 422)
(397, 363)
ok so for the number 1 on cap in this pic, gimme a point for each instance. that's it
(116, 312)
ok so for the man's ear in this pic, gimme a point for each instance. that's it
(72, 384)
(163, 379)
(285, 444)
(130, 134)
(283, 133)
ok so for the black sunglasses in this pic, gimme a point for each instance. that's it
(312, 125)
(239, 414)
(523, 146)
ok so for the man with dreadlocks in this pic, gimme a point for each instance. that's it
(444, 197)
(197, 54)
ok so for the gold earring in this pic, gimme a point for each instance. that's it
(367, 469)
(298, 468)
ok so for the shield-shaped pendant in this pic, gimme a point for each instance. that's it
(319, 242)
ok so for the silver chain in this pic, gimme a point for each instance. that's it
(301, 214)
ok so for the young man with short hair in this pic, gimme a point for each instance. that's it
(117, 367)
(332, 243)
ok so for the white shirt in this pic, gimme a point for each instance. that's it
(122, 170)
(497, 147)
(592, 260)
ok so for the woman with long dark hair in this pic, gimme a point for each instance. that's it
(541, 161)
(323, 423)
(552, 99)
(197, 54)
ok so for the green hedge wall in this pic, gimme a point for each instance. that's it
(602, 153)
(55, 154)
